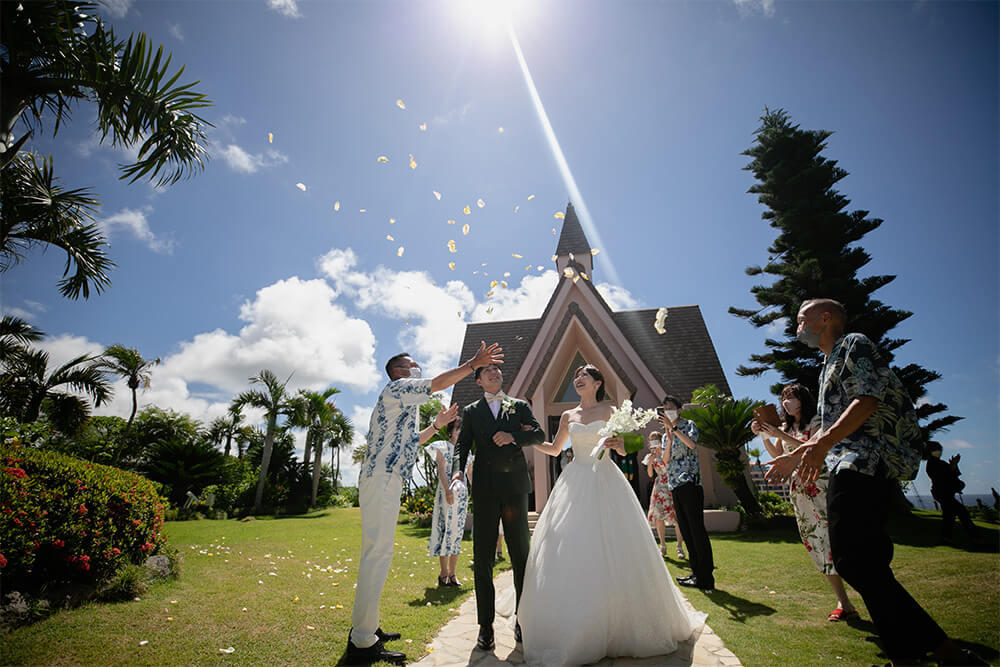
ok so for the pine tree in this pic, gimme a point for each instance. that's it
(816, 254)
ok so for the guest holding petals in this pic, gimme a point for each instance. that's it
(808, 499)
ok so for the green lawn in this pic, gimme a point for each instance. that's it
(770, 607)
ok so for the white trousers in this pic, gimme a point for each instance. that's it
(379, 499)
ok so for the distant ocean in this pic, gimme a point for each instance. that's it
(927, 503)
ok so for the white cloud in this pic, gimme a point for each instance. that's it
(14, 311)
(175, 30)
(957, 444)
(248, 163)
(117, 8)
(618, 297)
(359, 416)
(765, 7)
(458, 113)
(289, 8)
(776, 327)
(135, 222)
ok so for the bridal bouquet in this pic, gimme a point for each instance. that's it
(624, 422)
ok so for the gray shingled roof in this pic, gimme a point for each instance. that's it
(572, 239)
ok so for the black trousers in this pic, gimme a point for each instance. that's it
(689, 504)
(488, 511)
(951, 508)
(857, 512)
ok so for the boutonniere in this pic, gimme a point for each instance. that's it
(507, 404)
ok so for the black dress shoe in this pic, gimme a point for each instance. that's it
(387, 636)
(690, 582)
(683, 580)
(374, 653)
(485, 641)
(517, 633)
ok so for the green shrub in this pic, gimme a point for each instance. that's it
(130, 581)
(421, 501)
(774, 505)
(348, 497)
(66, 520)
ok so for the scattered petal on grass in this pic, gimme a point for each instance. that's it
(137, 599)
(173, 602)
(340, 606)
(467, 210)
(399, 253)
(309, 627)
(530, 197)
(437, 195)
(559, 215)
(227, 651)
(413, 162)
(170, 619)
(451, 265)
(382, 158)
(244, 609)
(451, 246)
(301, 186)
(423, 127)
(428, 604)
(399, 103)
(480, 203)
(270, 138)
(661, 320)
(465, 229)
(594, 251)
(295, 599)
(143, 642)
(408, 641)
(259, 581)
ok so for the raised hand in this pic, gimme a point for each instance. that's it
(812, 461)
(487, 356)
(782, 468)
(446, 417)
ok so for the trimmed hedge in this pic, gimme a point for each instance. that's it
(66, 520)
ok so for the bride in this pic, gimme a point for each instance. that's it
(595, 585)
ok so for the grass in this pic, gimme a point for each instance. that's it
(771, 603)
(227, 567)
(770, 606)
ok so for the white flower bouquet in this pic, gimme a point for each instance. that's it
(624, 422)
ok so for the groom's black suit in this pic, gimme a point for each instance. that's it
(500, 488)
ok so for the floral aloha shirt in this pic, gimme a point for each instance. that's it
(684, 467)
(889, 442)
(393, 437)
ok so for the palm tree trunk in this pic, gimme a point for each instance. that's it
(135, 405)
(309, 439)
(336, 474)
(265, 461)
(229, 444)
(317, 464)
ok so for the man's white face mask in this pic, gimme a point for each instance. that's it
(415, 372)
(672, 415)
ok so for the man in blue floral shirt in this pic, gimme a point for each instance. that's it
(684, 482)
(393, 440)
(870, 438)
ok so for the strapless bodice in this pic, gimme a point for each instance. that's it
(584, 437)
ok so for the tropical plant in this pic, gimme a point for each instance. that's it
(55, 55)
(223, 430)
(724, 427)
(341, 435)
(153, 425)
(275, 402)
(126, 362)
(184, 465)
(15, 334)
(29, 386)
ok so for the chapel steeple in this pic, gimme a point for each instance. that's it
(573, 249)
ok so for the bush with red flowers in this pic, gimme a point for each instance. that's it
(66, 520)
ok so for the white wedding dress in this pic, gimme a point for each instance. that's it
(595, 585)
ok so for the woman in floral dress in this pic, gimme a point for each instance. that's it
(450, 508)
(661, 504)
(798, 410)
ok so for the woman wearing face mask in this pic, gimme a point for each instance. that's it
(809, 500)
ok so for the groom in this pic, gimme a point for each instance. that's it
(496, 427)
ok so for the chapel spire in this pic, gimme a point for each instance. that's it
(573, 249)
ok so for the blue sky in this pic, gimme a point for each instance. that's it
(652, 102)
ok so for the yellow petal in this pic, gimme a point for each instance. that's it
(170, 618)
(270, 138)
(584, 276)
(362, 210)
(503, 283)
(336, 206)
(382, 158)
(516, 256)
(493, 284)
(465, 229)
(451, 246)
(467, 210)
(399, 253)
(295, 599)
(451, 265)
(489, 295)
(575, 279)
(555, 257)
(559, 215)
(530, 197)
(389, 238)
(309, 627)
(413, 162)
(500, 129)
(594, 251)
(437, 195)
(568, 272)
(423, 127)
(480, 203)
(451, 222)
(392, 221)
(301, 186)
(399, 103)
(340, 606)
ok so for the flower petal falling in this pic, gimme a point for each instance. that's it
(301, 186)
(480, 203)
(399, 103)
(382, 158)
(451, 246)
(437, 195)
(559, 215)
(465, 229)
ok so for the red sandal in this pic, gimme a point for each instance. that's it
(839, 614)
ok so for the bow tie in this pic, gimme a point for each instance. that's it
(492, 397)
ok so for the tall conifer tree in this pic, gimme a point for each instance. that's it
(816, 255)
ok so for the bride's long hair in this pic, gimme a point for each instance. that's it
(593, 372)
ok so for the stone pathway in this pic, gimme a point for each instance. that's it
(455, 645)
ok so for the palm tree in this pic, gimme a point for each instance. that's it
(57, 54)
(341, 435)
(226, 428)
(15, 334)
(28, 385)
(317, 416)
(127, 363)
(275, 402)
(724, 426)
